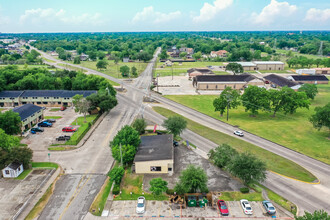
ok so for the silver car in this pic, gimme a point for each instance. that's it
(270, 209)
(141, 205)
(239, 133)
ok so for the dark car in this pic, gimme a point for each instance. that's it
(37, 129)
(69, 129)
(175, 143)
(51, 120)
(45, 124)
(223, 208)
(63, 138)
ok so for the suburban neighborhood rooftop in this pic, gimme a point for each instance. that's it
(280, 81)
(27, 110)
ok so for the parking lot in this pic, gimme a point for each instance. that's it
(165, 209)
(13, 193)
(42, 140)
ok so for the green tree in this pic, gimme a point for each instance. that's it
(183, 54)
(222, 155)
(229, 99)
(144, 56)
(236, 68)
(127, 153)
(10, 122)
(293, 100)
(163, 55)
(101, 64)
(192, 180)
(76, 60)
(175, 125)
(254, 99)
(197, 55)
(21, 154)
(140, 125)
(309, 89)
(317, 215)
(248, 168)
(134, 71)
(116, 174)
(101, 55)
(102, 101)
(127, 136)
(158, 186)
(124, 71)
(321, 118)
(81, 105)
(8, 141)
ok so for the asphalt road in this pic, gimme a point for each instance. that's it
(308, 197)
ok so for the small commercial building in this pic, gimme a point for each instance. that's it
(322, 70)
(248, 66)
(30, 115)
(277, 81)
(155, 155)
(13, 170)
(316, 79)
(220, 82)
(262, 65)
(306, 71)
(199, 71)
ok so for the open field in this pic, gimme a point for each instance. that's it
(274, 162)
(293, 131)
(309, 56)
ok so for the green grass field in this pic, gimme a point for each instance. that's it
(22, 67)
(72, 67)
(52, 117)
(273, 162)
(293, 131)
(237, 196)
(44, 165)
(23, 175)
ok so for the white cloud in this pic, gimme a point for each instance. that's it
(272, 11)
(42, 16)
(319, 15)
(209, 11)
(148, 14)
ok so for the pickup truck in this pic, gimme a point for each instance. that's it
(63, 138)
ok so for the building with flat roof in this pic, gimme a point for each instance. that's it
(262, 65)
(199, 71)
(155, 155)
(30, 115)
(220, 82)
(314, 79)
(278, 81)
(322, 70)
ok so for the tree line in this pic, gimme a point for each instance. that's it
(26, 58)
(302, 61)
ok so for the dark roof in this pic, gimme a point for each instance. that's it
(201, 70)
(157, 147)
(56, 93)
(280, 81)
(225, 78)
(14, 165)
(10, 94)
(310, 78)
(27, 110)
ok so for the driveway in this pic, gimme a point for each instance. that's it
(218, 180)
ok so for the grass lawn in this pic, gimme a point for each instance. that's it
(273, 162)
(101, 198)
(1, 109)
(52, 117)
(48, 60)
(309, 56)
(293, 131)
(113, 69)
(133, 183)
(82, 130)
(237, 196)
(60, 148)
(54, 109)
(23, 175)
(113, 83)
(72, 67)
(44, 165)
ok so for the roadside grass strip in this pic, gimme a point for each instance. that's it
(273, 161)
(24, 174)
(101, 198)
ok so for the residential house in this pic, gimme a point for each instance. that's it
(155, 155)
(53, 53)
(125, 59)
(316, 79)
(278, 81)
(13, 170)
(220, 53)
(189, 51)
(173, 52)
(30, 115)
(84, 57)
(220, 82)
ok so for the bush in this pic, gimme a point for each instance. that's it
(116, 174)
(116, 189)
(170, 191)
(244, 190)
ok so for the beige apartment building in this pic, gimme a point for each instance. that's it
(262, 65)
(30, 115)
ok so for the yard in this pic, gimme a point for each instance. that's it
(293, 131)
(274, 162)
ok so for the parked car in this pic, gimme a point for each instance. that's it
(37, 129)
(63, 138)
(247, 209)
(223, 208)
(45, 124)
(63, 108)
(239, 133)
(51, 120)
(175, 143)
(270, 209)
(69, 129)
(141, 205)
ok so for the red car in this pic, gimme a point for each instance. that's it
(223, 208)
(69, 129)
(63, 108)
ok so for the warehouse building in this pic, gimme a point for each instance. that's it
(30, 115)
(155, 155)
(316, 79)
(277, 81)
(322, 70)
(262, 65)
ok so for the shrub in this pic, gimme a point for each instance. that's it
(170, 191)
(244, 190)
(116, 189)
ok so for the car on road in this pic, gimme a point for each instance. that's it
(63, 138)
(270, 209)
(247, 209)
(223, 208)
(50, 120)
(69, 129)
(37, 129)
(141, 205)
(63, 108)
(238, 133)
(45, 124)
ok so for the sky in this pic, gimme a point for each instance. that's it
(30, 16)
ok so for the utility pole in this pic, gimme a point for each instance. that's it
(121, 155)
(172, 70)
(229, 99)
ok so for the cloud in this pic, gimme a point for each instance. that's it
(148, 14)
(48, 15)
(209, 11)
(272, 11)
(319, 15)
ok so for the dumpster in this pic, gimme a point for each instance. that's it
(192, 202)
(202, 201)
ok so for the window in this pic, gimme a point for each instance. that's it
(23, 103)
(38, 103)
(270, 68)
(169, 169)
(156, 169)
(234, 86)
(19, 168)
(207, 86)
(7, 172)
(59, 103)
(45, 103)
(216, 86)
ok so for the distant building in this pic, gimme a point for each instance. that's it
(125, 60)
(248, 66)
(278, 81)
(220, 82)
(155, 155)
(322, 70)
(199, 71)
(84, 57)
(30, 115)
(53, 53)
(262, 65)
(189, 51)
(262, 43)
(220, 53)
(316, 79)
(13, 170)
(168, 63)
(306, 71)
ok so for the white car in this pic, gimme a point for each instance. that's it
(247, 209)
(239, 133)
(141, 205)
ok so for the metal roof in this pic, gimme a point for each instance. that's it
(14, 165)
(224, 78)
(280, 81)
(247, 64)
(268, 62)
(10, 94)
(27, 110)
(310, 78)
